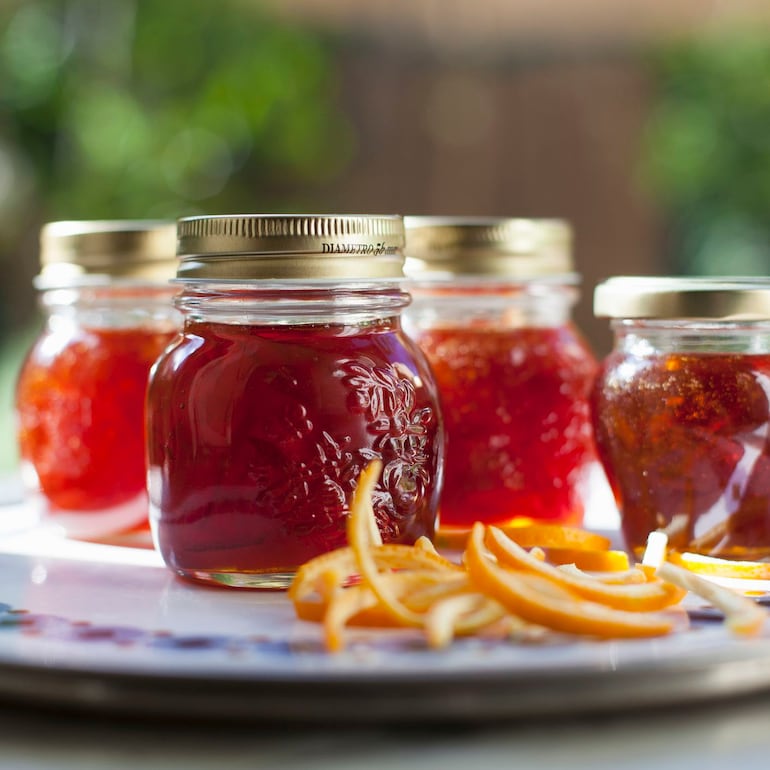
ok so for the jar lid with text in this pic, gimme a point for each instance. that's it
(317, 247)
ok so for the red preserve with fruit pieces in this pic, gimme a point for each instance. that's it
(682, 411)
(491, 310)
(291, 375)
(80, 394)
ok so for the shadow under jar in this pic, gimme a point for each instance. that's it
(81, 390)
(292, 374)
(492, 312)
(681, 410)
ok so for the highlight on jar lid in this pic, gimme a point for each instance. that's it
(317, 247)
(75, 253)
(712, 299)
(501, 247)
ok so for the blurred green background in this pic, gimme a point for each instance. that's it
(648, 129)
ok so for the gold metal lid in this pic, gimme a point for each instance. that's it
(83, 252)
(488, 246)
(291, 247)
(710, 299)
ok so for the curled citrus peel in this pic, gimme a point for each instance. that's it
(591, 559)
(537, 599)
(715, 567)
(530, 535)
(636, 597)
(743, 616)
(500, 588)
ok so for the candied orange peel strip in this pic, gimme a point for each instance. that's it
(531, 535)
(590, 559)
(500, 588)
(460, 614)
(636, 597)
(556, 607)
(388, 556)
(632, 575)
(715, 567)
(743, 616)
(360, 538)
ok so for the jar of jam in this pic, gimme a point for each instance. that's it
(291, 375)
(682, 411)
(492, 306)
(80, 393)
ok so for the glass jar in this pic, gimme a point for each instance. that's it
(291, 375)
(492, 305)
(682, 411)
(80, 393)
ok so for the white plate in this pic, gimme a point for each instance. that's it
(110, 628)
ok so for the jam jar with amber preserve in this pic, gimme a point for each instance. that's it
(105, 288)
(292, 374)
(492, 311)
(682, 411)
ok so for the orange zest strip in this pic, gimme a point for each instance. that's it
(743, 616)
(358, 605)
(558, 610)
(556, 536)
(503, 589)
(314, 610)
(347, 603)
(624, 577)
(344, 560)
(460, 614)
(727, 568)
(641, 597)
(421, 599)
(452, 538)
(359, 537)
(589, 559)
(531, 535)
(355, 602)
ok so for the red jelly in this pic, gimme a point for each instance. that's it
(515, 405)
(277, 396)
(682, 412)
(491, 309)
(80, 394)
(81, 414)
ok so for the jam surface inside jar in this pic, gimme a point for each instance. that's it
(80, 411)
(684, 439)
(515, 405)
(257, 435)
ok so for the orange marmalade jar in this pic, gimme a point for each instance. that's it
(291, 375)
(681, 410)
(491, 310)
(80, 393)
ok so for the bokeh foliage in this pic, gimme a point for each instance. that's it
(707, 152)
(137, 108)
(151, 109)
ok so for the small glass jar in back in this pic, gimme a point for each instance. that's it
(682, 411)
(105, 288)
(492, 311)
(291, 376)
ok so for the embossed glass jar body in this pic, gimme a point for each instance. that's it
(262, 416)
(291, 376)
(514, 376)
(492, 311)
(81, 391)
